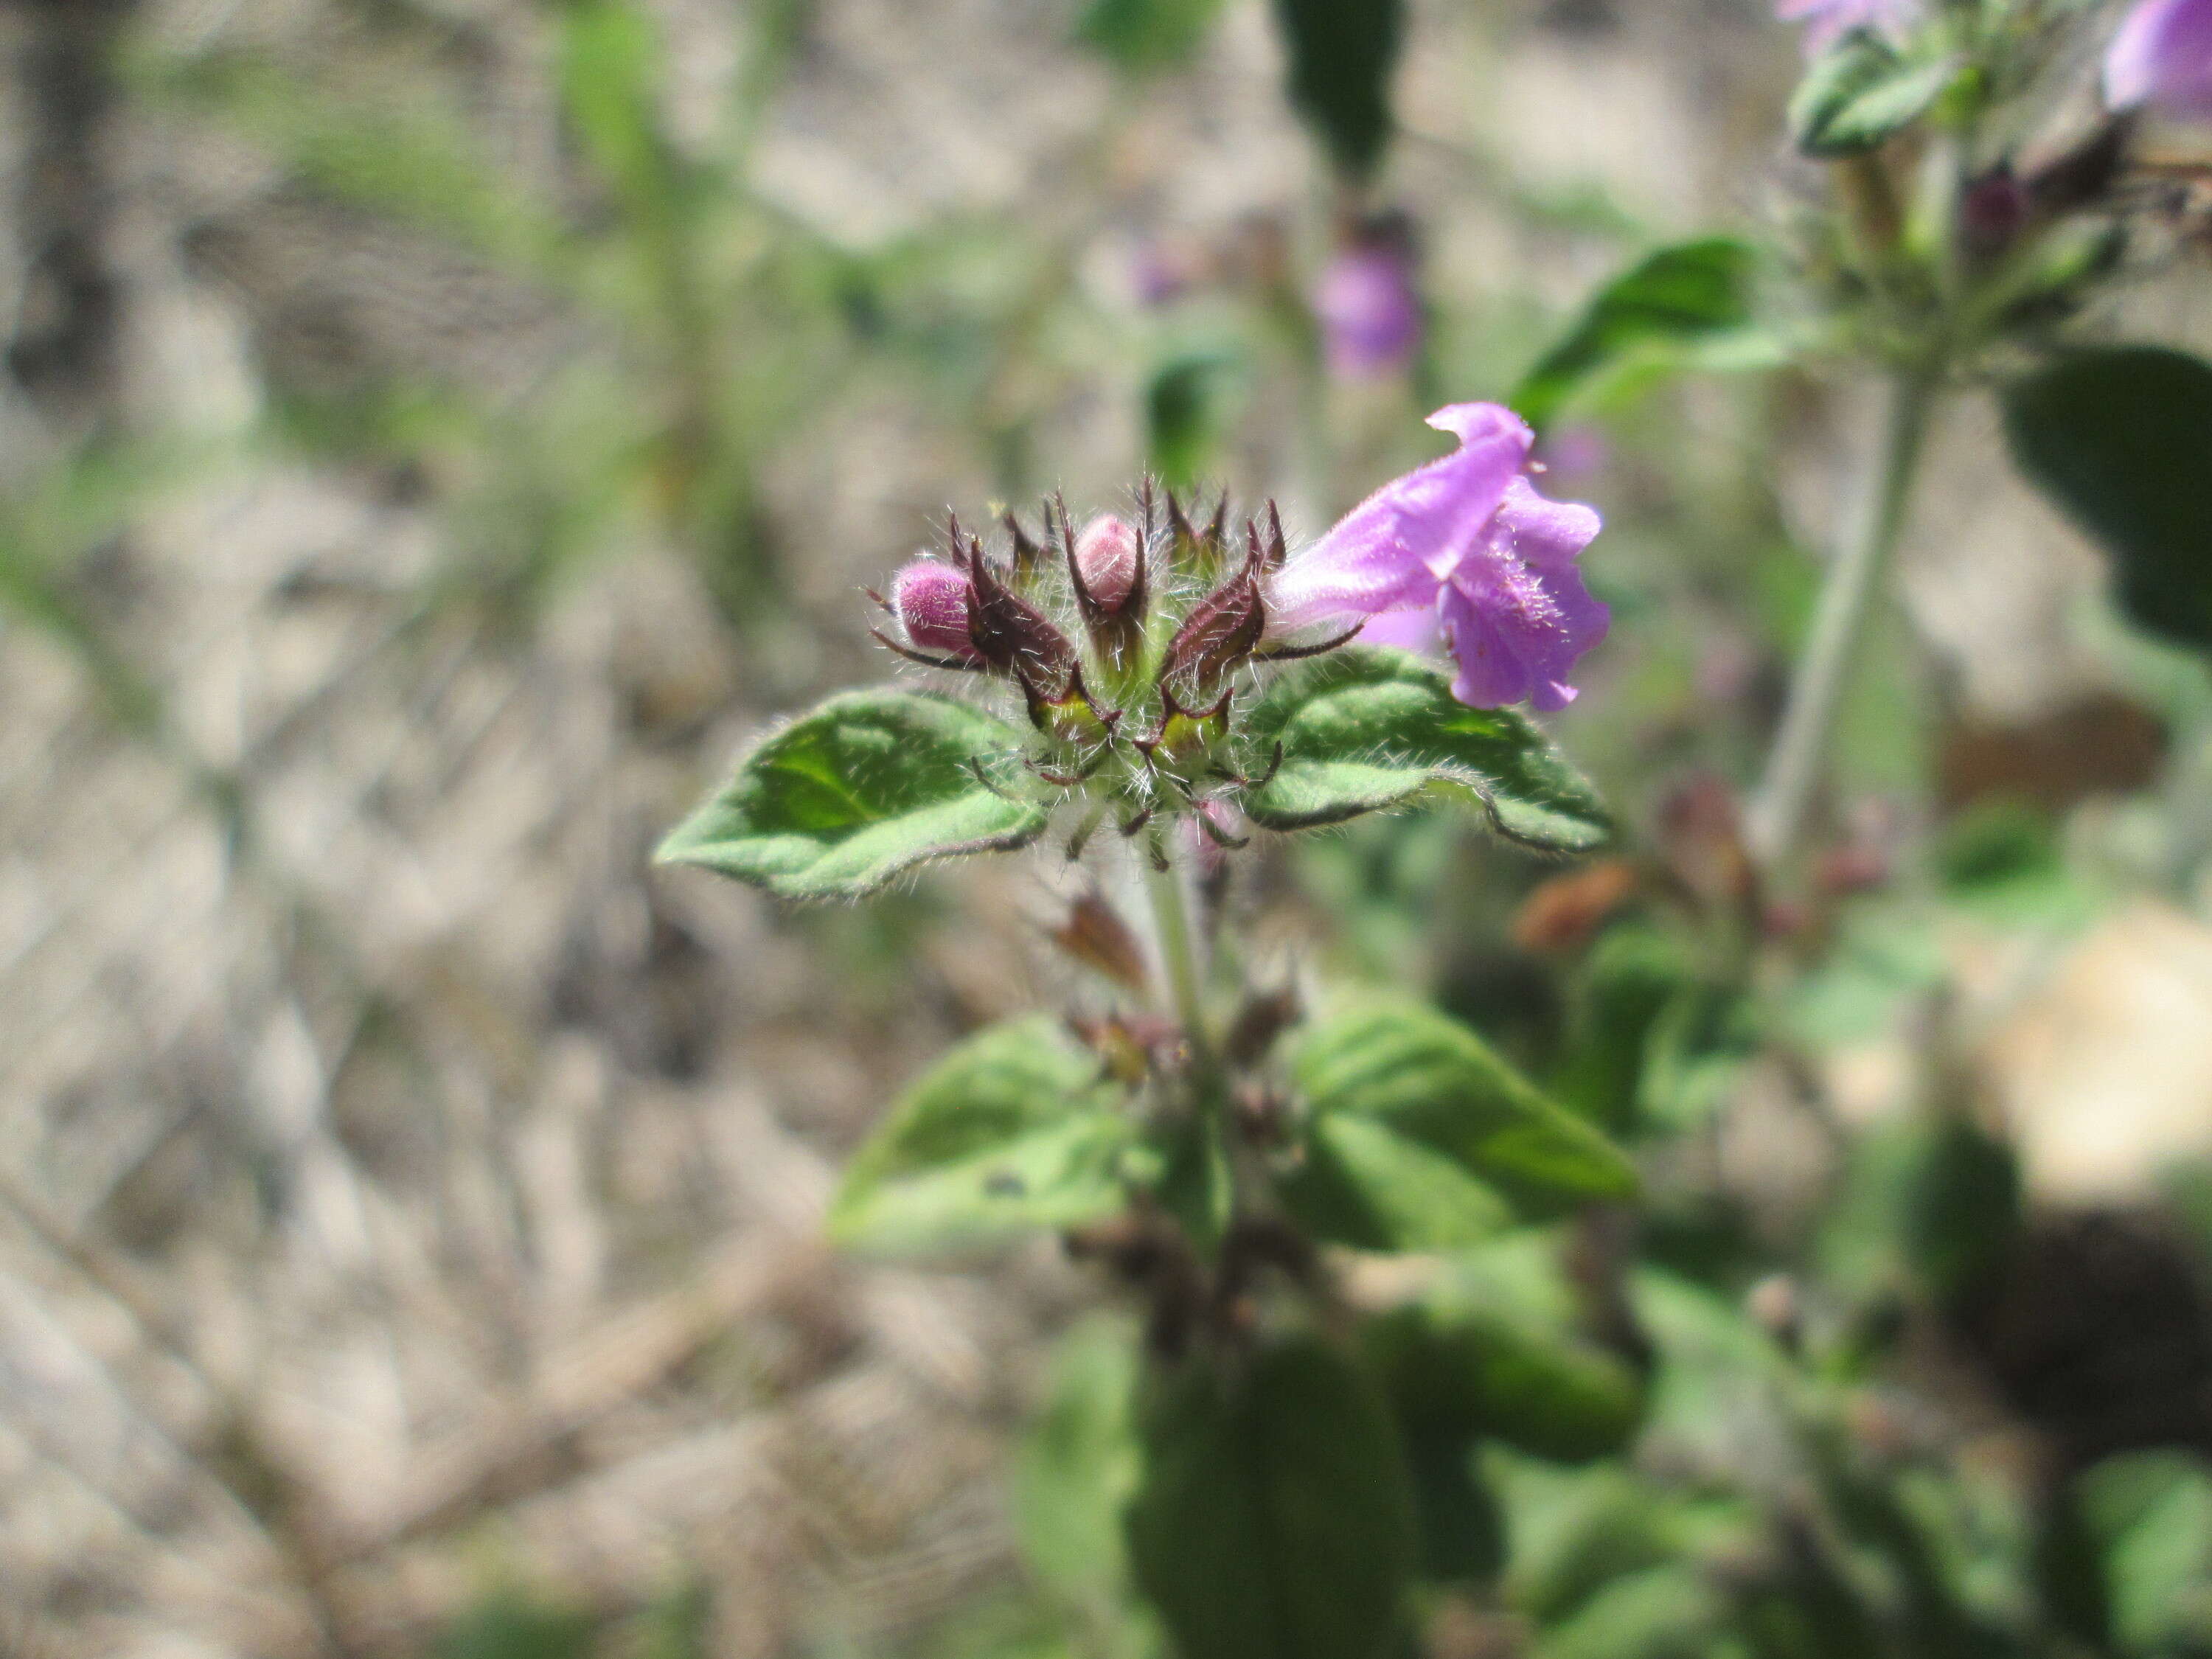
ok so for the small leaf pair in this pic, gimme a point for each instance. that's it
(850, 797)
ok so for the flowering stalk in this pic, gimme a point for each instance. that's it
(1178, 952)
(1795, 765)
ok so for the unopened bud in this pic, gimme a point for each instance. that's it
(1992, 213)
(1108, 558)
(1219, 634)
(932, 600)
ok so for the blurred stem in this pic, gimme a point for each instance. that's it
(1178, 949)
(1795, 764)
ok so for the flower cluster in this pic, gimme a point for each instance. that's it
(1126, 638)
(1123, 639)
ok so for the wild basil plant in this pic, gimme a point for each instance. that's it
(1177, 683)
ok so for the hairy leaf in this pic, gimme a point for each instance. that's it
(845, 798)
(1400, 1069)
(1860, 93)
(1273, 1520)
(1011, 1129)
(1496, 1349)
(1363, 729)
(2121, 441)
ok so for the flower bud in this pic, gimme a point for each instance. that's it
(1218, 637)
(932, 601)
(1992, 212)
(1107, 560)
(1369, 309)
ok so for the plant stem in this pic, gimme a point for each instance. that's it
(1178, 950)
(1793, 767)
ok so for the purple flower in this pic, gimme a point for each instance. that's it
(1369, 309)
(1461, 554)
(2162, 57)
(1827, 21)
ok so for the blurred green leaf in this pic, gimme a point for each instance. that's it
(2151, 1511)
(855, 794)
(1342, 53)
(1141, 36)
(1182, 416)
(1077, 1463)
(1011, 1129)
(1196, 1184)
(1962, 1207)
(610, 66)
(1694, 1055)
(1715, 1381)
(1862, 92)
(1630, 976)
(1575, 1530)
(1496, 1350)
(1693, 293)
(1461, 1531)
(1362, 1183)
(1667, 1612)
(1882, 955)
(2119, 439)
(514, 1627)
(1400, 1070)
(1273, 1520)
(1363, 729)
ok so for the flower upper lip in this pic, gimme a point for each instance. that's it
(1467, 537)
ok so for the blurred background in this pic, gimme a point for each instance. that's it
(436, 435)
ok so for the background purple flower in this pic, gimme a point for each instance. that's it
(2161, 56)
(1825, 21)
(1464, 555)
(1367, 304)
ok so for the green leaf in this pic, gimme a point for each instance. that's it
(511, 1625)
(1141, 36)
(1182, 416)
(1462, 1532)
(846, 798)
(1011, 1129)
(1077, 1465)
(1362, 1183)
(1671, 1612)
(610, 64)
(1402, 1070)
(1860, 93)
(1961, 1207)
(1496, 1349)
(1363, 729)
(1576, 1529)
(2152, 1513)
(1689, 294)
(2121, 439)
(1274, 1520)
(1196, 1184)
(1341, 56)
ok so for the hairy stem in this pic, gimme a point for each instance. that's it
(1178, 950)
(1795, 765)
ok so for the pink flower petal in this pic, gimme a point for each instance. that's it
(1390, 552)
